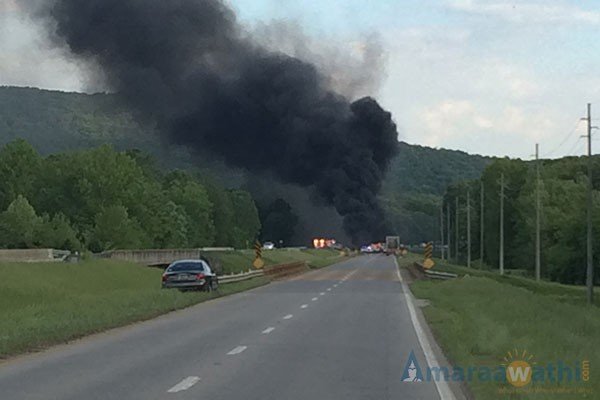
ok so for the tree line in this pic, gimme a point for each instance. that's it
(99, 199)
(563, 216)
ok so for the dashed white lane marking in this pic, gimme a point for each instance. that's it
(288, 316)
(329, 289)
(268, 330)
(322, 294)
(304, 306)
(315, 299)
(335, 285)
(237, 350)
(441, 385)
(184, 384)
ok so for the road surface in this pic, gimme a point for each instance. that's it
(343, 332)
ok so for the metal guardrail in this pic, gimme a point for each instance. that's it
(435, 274)
(282, 270)
(440, 275)
(240, 277)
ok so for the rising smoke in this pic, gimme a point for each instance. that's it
(188, 65)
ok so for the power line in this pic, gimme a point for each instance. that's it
(566, 138)
(573, 148)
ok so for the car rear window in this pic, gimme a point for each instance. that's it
(188, 266)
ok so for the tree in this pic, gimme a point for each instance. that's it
(246, 221)
(81, 184)
(113, 229)
(19, 168)
(57, 233)
(193, 198)
(278, 222)
(19, 224)
(222, 213)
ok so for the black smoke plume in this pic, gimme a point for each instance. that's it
(188, 65)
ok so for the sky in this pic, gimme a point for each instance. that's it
(489, 77)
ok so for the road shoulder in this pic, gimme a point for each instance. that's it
(448, 390)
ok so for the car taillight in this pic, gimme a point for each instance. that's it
(199, 277)
(164, 277)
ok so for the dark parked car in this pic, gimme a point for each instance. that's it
(190, 275)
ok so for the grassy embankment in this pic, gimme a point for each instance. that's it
(480, 316)
(241, 260)
(44, 304)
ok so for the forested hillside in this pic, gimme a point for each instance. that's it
(55, 122)
(100, 199)
(415, 183)
(563, 216)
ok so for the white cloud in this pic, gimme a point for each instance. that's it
(450, 120)
(483, 129)
(28, 59)
(507, 80)
(528, 12)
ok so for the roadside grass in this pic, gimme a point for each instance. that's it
(567, 293)
(480, 317)
(44, 304)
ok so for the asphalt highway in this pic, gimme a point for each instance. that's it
(342, 332)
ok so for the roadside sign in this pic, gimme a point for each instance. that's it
(258, 261)
(428, 250)
(428, 263)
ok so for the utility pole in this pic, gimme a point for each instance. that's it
(537, 214)
(590, 259)
(502, 224)
(442, 229)
(448, 228)
(456, 231)
(469, 228)
(481, 215)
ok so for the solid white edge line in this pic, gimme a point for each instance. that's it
(184, 384)
(288, 316)
(237, 350)
(268, 330)
(442, 386)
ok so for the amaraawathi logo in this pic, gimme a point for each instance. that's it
(412, 371)
(519, 370)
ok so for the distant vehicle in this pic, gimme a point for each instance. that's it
(368, 249)
(392, 244)
(337, 246)
(268, 245)
(190, 275)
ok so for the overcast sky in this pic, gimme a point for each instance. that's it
(488, 77)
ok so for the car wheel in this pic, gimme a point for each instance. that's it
(208, 287)
(214, 284)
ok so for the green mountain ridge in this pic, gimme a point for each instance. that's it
(54, 121)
